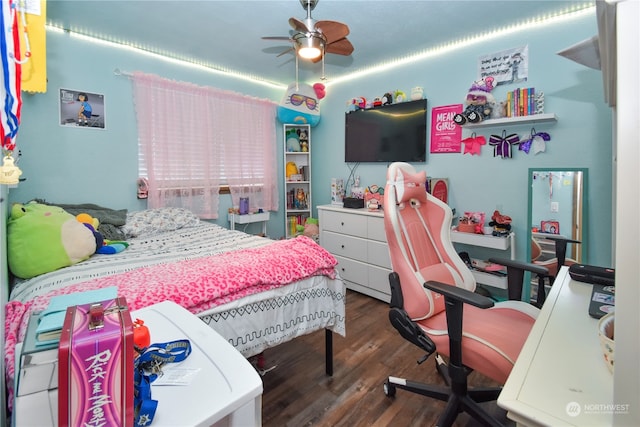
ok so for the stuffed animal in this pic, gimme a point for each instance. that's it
(501, 224)
(293, 140)
(304, 140)
(92, 224)
(301, 104)
(479, 102)
(43, 238)
(309, 229)
(291, 169)
(417, 93)
(352, 105)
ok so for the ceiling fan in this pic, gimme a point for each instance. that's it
(313, 39)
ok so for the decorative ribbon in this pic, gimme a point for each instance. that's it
(10, 75)
(502, 144)
(146, 368)
(537, 140)
(473, 144)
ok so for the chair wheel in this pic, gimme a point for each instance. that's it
(389, 389)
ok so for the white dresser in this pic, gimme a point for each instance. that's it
(357, 239)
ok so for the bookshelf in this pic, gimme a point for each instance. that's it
(297, 176)
(509, 121)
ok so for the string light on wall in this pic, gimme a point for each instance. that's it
(576, 11)
(165, 56)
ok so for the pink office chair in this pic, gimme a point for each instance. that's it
(553, 264)
(437, 289)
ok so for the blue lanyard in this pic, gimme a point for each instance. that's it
(146, 369)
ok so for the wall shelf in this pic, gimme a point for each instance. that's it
(512, 121)
(487, 241)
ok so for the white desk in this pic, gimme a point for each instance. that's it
(560, 377)
(262, 217)
(226, 391)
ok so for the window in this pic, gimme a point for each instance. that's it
(194, 139)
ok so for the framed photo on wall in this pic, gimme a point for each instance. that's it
(551, 227)
(82, 109)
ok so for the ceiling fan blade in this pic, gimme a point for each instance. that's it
(299, 26)
(284, 52)
(340, 47)
(333, 30)
(276, 38)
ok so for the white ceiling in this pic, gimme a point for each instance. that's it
(227, 34)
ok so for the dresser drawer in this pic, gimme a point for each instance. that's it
(378, 254)
(340, 222)
(352, 270)
(343, 245)
(375, 229)
(379, 279)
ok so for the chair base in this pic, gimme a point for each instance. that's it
(467, 401)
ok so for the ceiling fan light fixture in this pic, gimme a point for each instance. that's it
(310, 47)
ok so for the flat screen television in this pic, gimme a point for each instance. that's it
(390, 133)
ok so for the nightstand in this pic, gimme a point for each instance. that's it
(262, 217)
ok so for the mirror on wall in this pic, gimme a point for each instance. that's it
(556, 206)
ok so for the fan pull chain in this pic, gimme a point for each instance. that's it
(296, 55)
(323, 53)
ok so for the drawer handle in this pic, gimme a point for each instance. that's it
(342, 223)
(342, 246)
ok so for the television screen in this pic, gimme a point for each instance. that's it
(390, 133)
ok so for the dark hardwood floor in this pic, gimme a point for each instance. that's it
(299, 393)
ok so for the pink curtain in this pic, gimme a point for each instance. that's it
(193, 139)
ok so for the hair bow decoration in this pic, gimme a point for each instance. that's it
(537, 141)
(473, 144)
(502, 144)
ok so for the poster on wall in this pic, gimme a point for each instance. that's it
(506, 67)
(445, 134)
(82, 109)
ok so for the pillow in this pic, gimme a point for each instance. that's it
(43, 238)
(411, 186)
(152, 221)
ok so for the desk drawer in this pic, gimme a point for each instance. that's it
(354, 225)
(346, 246)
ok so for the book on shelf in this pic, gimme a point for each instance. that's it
(521, 102)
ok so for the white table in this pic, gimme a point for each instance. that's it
(560, 377)
(226, 391)
(262, 217)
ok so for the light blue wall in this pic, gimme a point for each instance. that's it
(580, 138)
(78, 165)
(81, 165)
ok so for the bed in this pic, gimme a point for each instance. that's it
(255, 292)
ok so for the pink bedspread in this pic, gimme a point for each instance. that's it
(197, 284)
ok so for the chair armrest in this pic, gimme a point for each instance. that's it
(526, 266)
(515, 275)
(559, 238)
(459, 294)
(561, 247)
